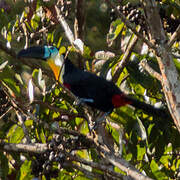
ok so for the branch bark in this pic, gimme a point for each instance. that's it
(170, 77)
(151, 71)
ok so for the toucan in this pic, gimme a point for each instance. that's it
(93, 90)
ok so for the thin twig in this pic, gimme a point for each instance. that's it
(79, 19)
(120, 66)
(105, 153)
(19, 116)
(108, 155)
(151, 71)
(88, 174)
(10, 108)
(95, 165)
(174, 37)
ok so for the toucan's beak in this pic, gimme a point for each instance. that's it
(39, 52)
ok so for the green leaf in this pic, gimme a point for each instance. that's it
(141, 129)
(128, 157)
(80, 177)
(115, 30)
(42, 135)
(165, 159)
(35, 21)
(124, 116)
(62, 50)
(9, 36)
(149, 129)
(15, 134)
(29, 122)
(38, 79)
(59, 42)
(141, 80)
(25, 171)
(156, 171)
(140, 152)
(87, 52)
(84, 125)
(8, 78)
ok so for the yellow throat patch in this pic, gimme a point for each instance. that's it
(56, 69)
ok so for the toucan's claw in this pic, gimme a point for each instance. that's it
(99, 121)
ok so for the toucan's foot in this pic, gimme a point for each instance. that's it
(99, 121)
(80, 101)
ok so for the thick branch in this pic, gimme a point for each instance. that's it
(31, 148)
(170, 78)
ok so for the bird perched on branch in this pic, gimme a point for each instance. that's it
(91, 89)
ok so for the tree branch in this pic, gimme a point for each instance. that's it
(120, 66)
(31, 148)
(108, 155)
(170, 77)
(98, 166)
(174, 37)
(68, 32)
(151, 71)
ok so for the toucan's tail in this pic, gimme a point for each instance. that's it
(148, 108)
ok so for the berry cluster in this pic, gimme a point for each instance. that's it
(42, 164)
(135, 15)
(132, 12)
(59, 146)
